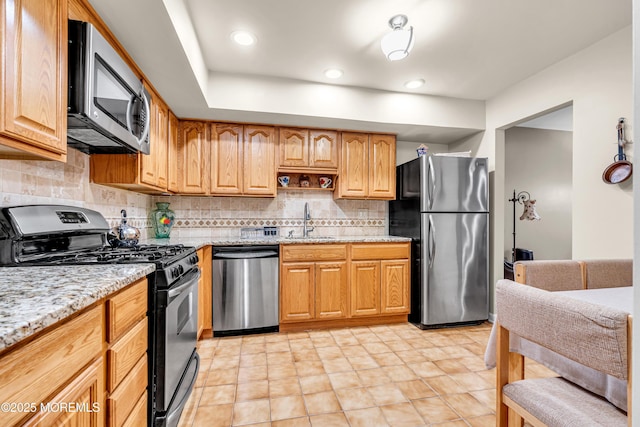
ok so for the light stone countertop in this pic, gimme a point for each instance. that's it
(199, 242)
(32, 298)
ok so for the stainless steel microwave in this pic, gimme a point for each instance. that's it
(108, 106)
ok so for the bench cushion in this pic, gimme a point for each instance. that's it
(557, 402)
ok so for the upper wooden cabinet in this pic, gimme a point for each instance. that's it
(243, 160)
(146, 173)
(192, 160)
(367, 167)
(226, 159)
(33, 79)
(308, 149)
(173, 169)
(153, 168)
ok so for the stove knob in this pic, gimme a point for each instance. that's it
(174, 272)
(180, 270)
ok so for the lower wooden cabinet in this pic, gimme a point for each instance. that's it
(335, 284)
(85, 392)
(313, 290)
(88, 371)
(205, 313)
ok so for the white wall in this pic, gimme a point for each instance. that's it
(407, 150)
(539, 161)
(598, 80)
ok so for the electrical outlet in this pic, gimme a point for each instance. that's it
(362, 213)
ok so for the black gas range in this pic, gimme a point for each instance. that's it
(40, 235)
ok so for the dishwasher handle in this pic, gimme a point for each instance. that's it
(246, 255)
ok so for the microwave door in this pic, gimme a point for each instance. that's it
(139, 115)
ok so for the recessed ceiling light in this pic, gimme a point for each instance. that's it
(414, 84)
(243, 38)
(333, 73)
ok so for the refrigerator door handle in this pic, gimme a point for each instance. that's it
(432, 242)
(432, 189)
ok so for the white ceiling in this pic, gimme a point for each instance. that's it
(469, 49)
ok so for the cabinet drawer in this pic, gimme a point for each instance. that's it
(380, 251)
(126, 309)
(121, 403)
(32, 372)
(125, 353)
(322, 252)
(138, 416)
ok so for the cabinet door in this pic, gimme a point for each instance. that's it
(323, 149)
(86, 391)
(294, 147)
(382, 167)
(193, 159)
(365, 288)
(226, 159)
(394, 285)
(153, 166)
(259, 161)
(173, 174)
(331, 290)
(354, 180)
(296, 291)
(33, 76)
(204, 292)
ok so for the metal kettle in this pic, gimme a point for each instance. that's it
(123, 235)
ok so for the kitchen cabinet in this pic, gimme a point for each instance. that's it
(173, 157)
(243, 160)
(205, 314)
(86, 391)
(138, 172)
(311, 153)
(153, 167)
(127, 352)
(308, 149)
(367, 167)
(336, 285)
(380, 278)
(226, 159)
(313, 290)
(192, 158)
(33, 79)
(97, 358)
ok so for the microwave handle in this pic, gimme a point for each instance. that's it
(148, 117)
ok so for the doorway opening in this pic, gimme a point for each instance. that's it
(538, 167)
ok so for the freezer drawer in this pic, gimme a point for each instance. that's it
(454, 268)
(245, 290)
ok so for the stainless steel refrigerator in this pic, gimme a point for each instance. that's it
(442, 203)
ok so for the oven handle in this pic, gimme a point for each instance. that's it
(183, 284)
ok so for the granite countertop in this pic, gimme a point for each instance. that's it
(32, 298)
(199, 242)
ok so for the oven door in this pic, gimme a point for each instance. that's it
(176, 337)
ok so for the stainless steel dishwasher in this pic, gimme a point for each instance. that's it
(245, 290)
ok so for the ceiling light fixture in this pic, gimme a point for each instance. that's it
(414, 84)
(398, 43)
(333, 73)
(243, 38)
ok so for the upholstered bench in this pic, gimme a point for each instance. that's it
(594, 335)
(566, 275)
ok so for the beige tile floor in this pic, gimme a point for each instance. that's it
(395, 375)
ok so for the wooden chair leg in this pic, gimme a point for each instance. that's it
(516, 373)
(502, 375)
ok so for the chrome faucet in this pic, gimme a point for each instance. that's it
(307, 216)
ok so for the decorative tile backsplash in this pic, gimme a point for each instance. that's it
(32, 182)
